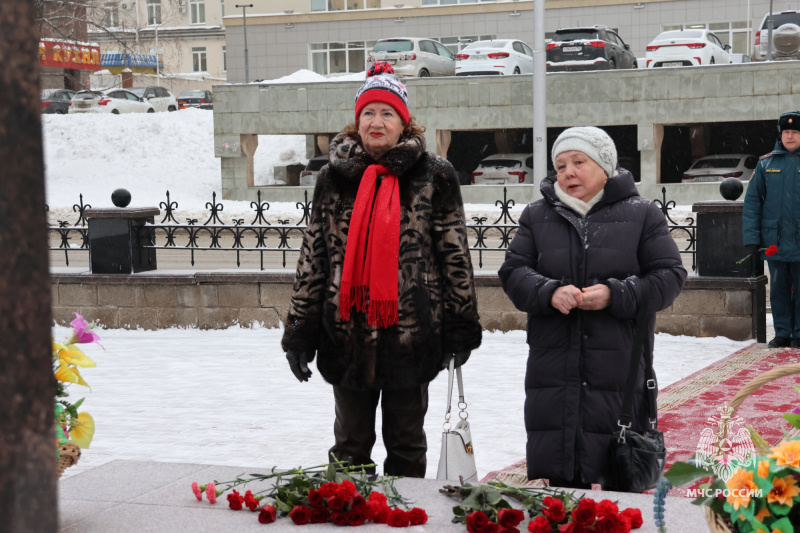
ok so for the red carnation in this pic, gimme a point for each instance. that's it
(328, 489)
(491, 527)
(379, 511)
(609, 523)
(572, 527)
(510, 517)
(635, 517)
(250, 501)
(607, 507)
(267, 515)
(339, 518)
(585, 513)
(417, 516)
(771, 250)
(319, 515)
(476, 521)
(315, 499)
(540, 524)
(346, 490)
(356, 516)
(235, 501)
(300, 515)
(335, 503)
(555, 511)
(358, 501)
(397, 518)
(376, 496)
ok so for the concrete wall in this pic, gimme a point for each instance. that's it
(211, 300)
(646, 99)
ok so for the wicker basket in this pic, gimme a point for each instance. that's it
(70, 453)
(716, 523)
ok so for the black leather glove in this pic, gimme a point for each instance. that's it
(460, 357)
(298, 363)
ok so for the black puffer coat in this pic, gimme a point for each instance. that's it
(437, 308)
(577, 364)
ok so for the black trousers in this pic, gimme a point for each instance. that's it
(403, 413)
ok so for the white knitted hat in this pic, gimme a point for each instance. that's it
(593, 142)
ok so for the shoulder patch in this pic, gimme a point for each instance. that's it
(765, 156)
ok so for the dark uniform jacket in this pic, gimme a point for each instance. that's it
(437, 308)
(577, 364)
(771, 213)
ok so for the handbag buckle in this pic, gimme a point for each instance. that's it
(653, 422)
(621, 438)
(651, 384)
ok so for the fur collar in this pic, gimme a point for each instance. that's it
(347, 156)
(579, 206)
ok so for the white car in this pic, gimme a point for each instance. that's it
(498, 56)
(719, 167)
(308, 176)
(412, 57)
(679, 48)
(785, 36)
(504, 169)
(162, 99)
(113, 101)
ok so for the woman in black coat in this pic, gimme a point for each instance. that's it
(575, 266)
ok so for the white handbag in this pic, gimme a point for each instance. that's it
(457, 458)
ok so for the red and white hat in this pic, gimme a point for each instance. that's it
(384, 87)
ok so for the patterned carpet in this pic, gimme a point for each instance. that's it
(685, 407)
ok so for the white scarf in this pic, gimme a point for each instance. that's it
(579, 206)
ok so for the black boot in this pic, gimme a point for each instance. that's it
(780, 342)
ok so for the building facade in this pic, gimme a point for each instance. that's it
(334, 36)
(186, 35)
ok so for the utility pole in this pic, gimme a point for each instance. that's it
(769, 33)
(244, 22)
(158, 73)
(539, 98)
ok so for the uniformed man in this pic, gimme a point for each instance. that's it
(771, 218)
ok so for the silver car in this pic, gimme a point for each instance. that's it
(159, 97)
(504, 169)
(308, 176)
(785, 36)
(414, 57)
(719, 167)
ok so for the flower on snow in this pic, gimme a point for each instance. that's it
(783, 490)
(211, 493)
(787, 453)
(741, 486)
(267, 515)
(82, 332)
(235, 501)
(196, 490)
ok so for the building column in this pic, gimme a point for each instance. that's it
(27, 442)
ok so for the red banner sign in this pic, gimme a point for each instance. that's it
(69, 54)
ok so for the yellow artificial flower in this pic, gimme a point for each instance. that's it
(763, 469)
(762, 514)
(69, 374)
(740, 486)
(73, 355)
(787, 453)
(783, 490)
(82, 430)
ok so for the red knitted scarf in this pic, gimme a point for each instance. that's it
(369, 276)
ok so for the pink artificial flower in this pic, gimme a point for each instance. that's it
(196, 490)
(211, 493)
(82, 335)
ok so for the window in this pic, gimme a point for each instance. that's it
(339, 57)
(224, 59)
(153, 12)
(344, 5)
(222, 8)
(199, 59)
(451, 2)
(198, 10)
(111, 15)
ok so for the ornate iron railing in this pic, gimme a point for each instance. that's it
(283, 239)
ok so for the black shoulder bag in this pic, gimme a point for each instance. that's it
(638, 460)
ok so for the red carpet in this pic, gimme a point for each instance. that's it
(686, 406)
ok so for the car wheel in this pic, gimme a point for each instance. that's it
(115, 111)
(611, 64)
(61, 112)
(516, 70)
(151, 110)
(424, 74)
(171, 108)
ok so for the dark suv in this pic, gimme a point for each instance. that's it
(588, 48)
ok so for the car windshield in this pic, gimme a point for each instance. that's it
(501, 163)
(575, 35)
(316, 164)
(394, 46)
(679, 34)
(46, 93)
(779, 19)
(138, 91)
(192, 94)
(486, 44)
(716, 162)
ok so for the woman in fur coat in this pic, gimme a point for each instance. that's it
(383, 294)
(576, 266)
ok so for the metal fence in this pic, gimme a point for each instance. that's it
(281, 241)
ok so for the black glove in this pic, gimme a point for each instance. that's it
(460, 357)
(298, 363)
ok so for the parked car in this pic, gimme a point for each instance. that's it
(498, 56)
(785, 36)
(198, 98)
(414, 57)
(678, 48)
(739, 58)
(719, 167)
(588, 48)
(504, 169)
(56, 101)
(113, 101)
(162, 99)
(315, 164)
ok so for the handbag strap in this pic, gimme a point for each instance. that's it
(457, 371)
(641, 344)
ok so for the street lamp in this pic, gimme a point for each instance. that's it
(158, 72)
(244, 22)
